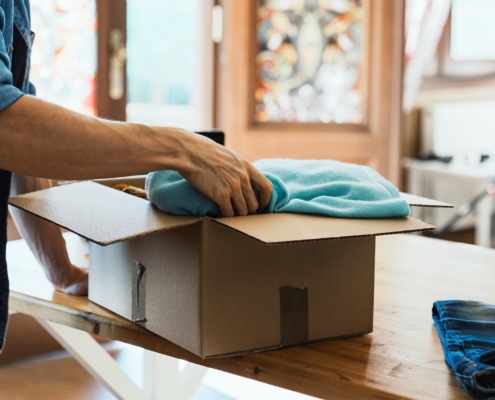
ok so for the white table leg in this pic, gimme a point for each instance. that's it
(163, 380)
(190, 378)
(161, 376)
(95, 360)
(483, 217)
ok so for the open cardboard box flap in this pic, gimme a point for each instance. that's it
(106, 216)
(417, 201)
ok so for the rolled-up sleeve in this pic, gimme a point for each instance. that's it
(8, 93)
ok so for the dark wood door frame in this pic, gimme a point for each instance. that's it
(111, 15)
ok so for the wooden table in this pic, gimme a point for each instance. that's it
(402, 358)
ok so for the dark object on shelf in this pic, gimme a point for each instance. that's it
(216, 135)
(484, 157)
(434, 157)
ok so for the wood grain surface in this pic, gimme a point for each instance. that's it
(402, 358)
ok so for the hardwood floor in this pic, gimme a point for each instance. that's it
(60, 378)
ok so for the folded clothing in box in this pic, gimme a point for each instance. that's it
(322, 187)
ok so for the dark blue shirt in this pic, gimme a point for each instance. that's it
(16, 40)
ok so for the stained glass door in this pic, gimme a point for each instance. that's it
(318, 79)
(63, 61)
(309, 62)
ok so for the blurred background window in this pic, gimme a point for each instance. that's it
(63, 63)
(309, 61)
(449, 99)
(164, 68)
(472, 30)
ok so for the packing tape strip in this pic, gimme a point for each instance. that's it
(138, 292)
(294, 321)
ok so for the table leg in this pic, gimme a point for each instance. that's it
(162, 379)
(483, 215)
(95, 360)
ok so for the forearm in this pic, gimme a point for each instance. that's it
(43, 238)
(44, 140)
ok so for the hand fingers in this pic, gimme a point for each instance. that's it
(225, 206)
(249, 196)
(238, 201)
(264, 186)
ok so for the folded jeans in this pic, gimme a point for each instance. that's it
(467, 332)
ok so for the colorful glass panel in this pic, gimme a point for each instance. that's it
(308, 65)
(63, 61)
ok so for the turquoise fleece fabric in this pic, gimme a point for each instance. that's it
(320, 187)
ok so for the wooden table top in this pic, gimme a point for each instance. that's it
(402, 358)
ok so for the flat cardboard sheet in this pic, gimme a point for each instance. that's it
(98, 213)
(418, 201)
(281, 228)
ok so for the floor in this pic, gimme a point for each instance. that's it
(57, 376)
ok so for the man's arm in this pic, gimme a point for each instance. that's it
(44, 140)
(46, 242)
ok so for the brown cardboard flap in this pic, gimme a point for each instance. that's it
(280, 228)
(98, 213)
(417, 201)
(105, 216)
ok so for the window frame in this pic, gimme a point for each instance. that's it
(444, 68)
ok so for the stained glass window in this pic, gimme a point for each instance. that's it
(308, 65)
(63, 62)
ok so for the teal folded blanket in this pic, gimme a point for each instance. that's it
(320, 187)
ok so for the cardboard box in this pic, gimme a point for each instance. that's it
(223, 286)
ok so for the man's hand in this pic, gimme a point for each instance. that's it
(74, 281)
(225, 177)
(46, 242)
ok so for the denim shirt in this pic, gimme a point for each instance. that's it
(16, 40)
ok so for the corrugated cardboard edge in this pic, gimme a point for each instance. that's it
(425, 229)
(260, 350)
(418, 201)
(108, 243)
(76, 192)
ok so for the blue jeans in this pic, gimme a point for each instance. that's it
(4, 279)
(467, 332)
